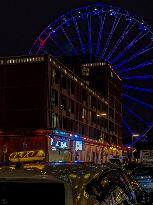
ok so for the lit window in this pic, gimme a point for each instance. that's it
(85, 71)
(112, 74)
(84, 113)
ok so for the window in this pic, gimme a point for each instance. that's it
(57, 76)
(90, 116)
(54, 98)
(63, 81)
(84, 95)
(72, 106)
(89, 99)
(85, 71)
(84, 113)
(54, 120)
(63, 102)
(53, 76)
(72, 88)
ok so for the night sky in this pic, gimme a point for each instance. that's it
(22, 21)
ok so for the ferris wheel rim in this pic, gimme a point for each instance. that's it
(48, 29)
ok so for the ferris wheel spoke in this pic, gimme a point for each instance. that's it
(150, 90)
(125, 32)
(79, 36)
(89, 37)
(138, 77)
(149, 62)
(136, 139)
(143, 50)
(57, 45)
(127, 126)
(115, 23)
(135, 114)
(138, 101)
(102, 20)
(69, 40)
(134, 41)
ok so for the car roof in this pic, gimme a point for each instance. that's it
(12, 173)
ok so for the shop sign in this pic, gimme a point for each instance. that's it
(79, 145)
(60, 143)
(26, 156)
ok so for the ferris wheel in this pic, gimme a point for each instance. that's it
(116, 36)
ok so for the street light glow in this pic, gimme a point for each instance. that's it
(101, 114)
(135, 135)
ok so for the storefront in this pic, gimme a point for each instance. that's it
(58, 145)
(64, 146)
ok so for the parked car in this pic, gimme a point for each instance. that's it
(143, 173)
(32, 186)
(69, 184)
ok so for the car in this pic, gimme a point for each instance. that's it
(26, 186)
(143, 173)
(69, 184)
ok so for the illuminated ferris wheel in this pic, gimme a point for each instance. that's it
(114, 35)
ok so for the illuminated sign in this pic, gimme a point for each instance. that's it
(59, 143)
(78, 145)
(24, 156)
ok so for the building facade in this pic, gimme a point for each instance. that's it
(46, 106)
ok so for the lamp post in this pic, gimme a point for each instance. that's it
(133, 135)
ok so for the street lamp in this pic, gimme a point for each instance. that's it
(133, 135)
(101, 114)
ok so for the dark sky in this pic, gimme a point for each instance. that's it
(21, 21)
